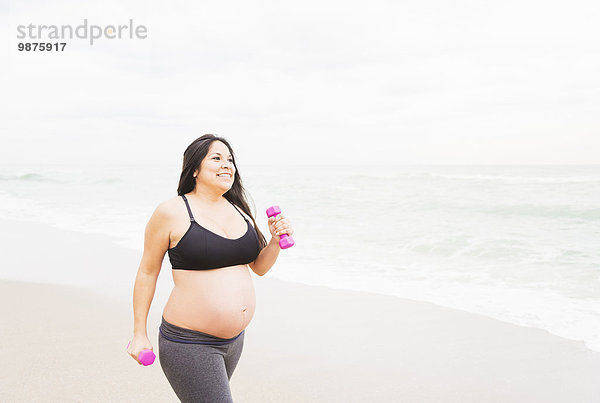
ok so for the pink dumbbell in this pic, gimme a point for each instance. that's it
(285, 241)
(146, 356)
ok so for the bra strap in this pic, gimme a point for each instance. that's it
(188, 208)
(238, 210)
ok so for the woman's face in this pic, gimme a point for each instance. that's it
(217, 161)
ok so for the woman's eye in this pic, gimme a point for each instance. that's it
(230, 160)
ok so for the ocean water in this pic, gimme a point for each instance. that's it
(516, 243)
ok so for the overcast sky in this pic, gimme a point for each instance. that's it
(328, 82)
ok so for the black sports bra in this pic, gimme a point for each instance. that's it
(201, 249)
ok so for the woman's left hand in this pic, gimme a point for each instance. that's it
(279, 225)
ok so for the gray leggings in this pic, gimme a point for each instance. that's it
(198, 365)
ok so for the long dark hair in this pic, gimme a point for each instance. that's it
(193, 156)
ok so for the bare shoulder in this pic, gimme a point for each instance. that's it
(167, 209)
(171, 203)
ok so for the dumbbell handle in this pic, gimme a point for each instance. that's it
(285, 241)
(146, 356)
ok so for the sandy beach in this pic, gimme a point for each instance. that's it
(66, 343)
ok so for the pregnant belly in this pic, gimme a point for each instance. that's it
(220, 302)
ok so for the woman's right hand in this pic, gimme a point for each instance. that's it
(137, 344)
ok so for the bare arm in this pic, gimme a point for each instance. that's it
(156, 243)
(266, 258)
(268, 255)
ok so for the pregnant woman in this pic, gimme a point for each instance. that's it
(211, 239)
